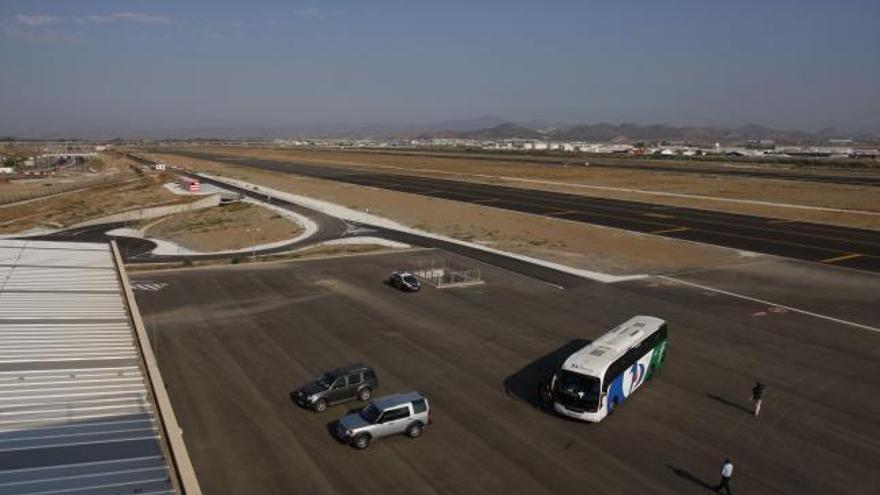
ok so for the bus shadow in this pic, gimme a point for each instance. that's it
(526, 383)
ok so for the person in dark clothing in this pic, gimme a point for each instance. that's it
(757, 396)
(726, 474)
(544, 393)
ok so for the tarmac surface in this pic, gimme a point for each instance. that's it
(741, 171)
(841, 246)
(233, 343)
(738, 168)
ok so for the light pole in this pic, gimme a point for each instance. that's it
(253, 232)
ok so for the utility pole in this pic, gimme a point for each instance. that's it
(253, 231)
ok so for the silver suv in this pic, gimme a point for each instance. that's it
(405, 413)
(335, 386)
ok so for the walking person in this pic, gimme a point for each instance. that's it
(544, 393)
(757, 395)
(726, 474)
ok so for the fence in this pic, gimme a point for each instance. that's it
(443, 273)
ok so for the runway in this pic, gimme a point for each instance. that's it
(713, 169)
(827, 244)
(709, 168)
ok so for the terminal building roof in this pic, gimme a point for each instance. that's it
(76, 413)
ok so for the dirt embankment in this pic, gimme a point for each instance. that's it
(126, 192)
(228, 227)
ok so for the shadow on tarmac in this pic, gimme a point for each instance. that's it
(526, 383)
(730, 403)
(683, 473)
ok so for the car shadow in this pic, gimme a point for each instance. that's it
(730, 403)
(331, 430)
(685, 474)
(526, 383)
(387, 283)
(331, 426)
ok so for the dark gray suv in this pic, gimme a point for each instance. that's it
(357, 381)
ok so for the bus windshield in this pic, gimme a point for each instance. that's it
(577, 391)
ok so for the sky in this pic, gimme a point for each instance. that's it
(127, 64)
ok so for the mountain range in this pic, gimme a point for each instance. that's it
(489, 127)
(631, 133)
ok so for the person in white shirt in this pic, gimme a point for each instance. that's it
(726, 473)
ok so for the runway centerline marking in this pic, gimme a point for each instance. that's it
(771, 303)
(842, 258)
(667, 231)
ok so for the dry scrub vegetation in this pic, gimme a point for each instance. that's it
(574, 244)
(582, 180)
(227, 227)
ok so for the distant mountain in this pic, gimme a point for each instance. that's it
(503, 131)
(631, 133)
(462, 125)
(488, 127)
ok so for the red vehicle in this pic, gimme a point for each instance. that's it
(189, 184)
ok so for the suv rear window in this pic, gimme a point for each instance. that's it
(369, 375)
(419, 406)
(354, 379)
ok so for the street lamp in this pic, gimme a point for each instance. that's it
(253, 232)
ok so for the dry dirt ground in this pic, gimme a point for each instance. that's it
(583, 180)
(573, 244)
(128, 192)
(224, 227)
(104, 165)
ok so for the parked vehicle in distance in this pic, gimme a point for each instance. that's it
(405, 281)
(593, 381)
(357, 381)
(407, 413)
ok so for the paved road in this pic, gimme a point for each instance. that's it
(233, 342)
(841, 246)
(710, 168)
(740, 171)
(136, 251)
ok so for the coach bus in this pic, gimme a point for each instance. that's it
(596, 379)
(189, 184)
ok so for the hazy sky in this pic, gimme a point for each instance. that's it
(801, 64)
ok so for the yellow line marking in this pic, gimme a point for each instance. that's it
(658, 215)
(666, 231)
(781, 221)
(841, 258)
(560, 213)
(490, 200)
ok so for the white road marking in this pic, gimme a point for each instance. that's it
(771, 303)
(149, 286)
